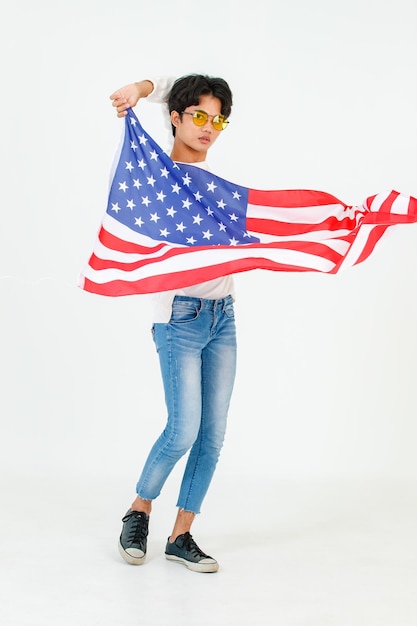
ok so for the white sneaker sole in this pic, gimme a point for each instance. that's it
(207, 567)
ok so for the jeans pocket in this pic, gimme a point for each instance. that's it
(184, 311)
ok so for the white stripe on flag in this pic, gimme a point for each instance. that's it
(195, 259)
(301, 215)
(400, 205)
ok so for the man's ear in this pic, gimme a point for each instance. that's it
(175, 118)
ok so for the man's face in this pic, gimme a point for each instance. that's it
(197, 138)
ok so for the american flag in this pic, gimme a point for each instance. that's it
(171, 225)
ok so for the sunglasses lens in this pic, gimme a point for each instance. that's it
(220, 122)
(200, 118)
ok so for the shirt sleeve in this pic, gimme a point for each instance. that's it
(161, 88)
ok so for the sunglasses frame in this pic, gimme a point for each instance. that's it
(222, 124)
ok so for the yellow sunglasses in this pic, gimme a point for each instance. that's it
(200, 118)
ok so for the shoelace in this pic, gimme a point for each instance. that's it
(191, 546)
(139, 529)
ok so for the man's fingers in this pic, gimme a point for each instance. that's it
(121, 102)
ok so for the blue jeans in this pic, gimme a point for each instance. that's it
(197, 353)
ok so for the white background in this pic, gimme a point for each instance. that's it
(325, 98)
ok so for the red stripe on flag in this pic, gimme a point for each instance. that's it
(374, 236)
(121, 245)
(292, 198)
(387, 204)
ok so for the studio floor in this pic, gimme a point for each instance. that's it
(317, 554)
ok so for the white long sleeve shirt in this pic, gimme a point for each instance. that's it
(212, 289)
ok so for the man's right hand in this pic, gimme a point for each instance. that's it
(128, 96)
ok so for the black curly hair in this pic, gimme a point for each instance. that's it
(186, 91)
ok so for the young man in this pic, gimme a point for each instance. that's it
(195, 337)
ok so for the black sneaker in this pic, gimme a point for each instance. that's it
(185, 550)
(133, 539)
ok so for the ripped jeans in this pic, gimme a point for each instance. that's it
(197, 353)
